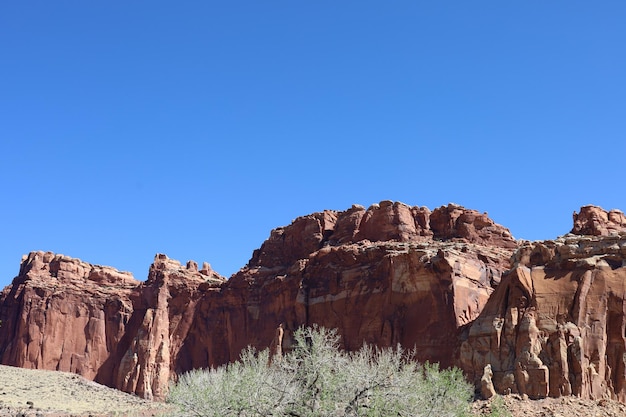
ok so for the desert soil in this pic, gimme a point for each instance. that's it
(549, 407)
(30, 392)
(33, 393)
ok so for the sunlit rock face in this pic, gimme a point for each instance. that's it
(64, 314)
(380, 275)
(163, 310)
(415, 294)
(556, 323)
(388, 274)
(538, 318)
(593, 220)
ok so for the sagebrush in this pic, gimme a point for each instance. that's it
(318, 379)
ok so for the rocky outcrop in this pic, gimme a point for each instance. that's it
(64, 314)
(595, 221)
(537, 318)
(416, 294)
(163, 310)
(383, 222)
(376, 274)
(556, 323)
(387, 274)
(456, 222)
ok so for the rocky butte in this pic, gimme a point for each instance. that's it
(546, 317)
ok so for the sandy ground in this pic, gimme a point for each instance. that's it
(34, 393)
(549, 407)
(29, 392)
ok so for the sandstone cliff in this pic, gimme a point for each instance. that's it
(556, 324)
(387, 274)
(547, 317)
(380, 275)
(64, 314)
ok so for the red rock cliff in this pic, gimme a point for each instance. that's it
(387, 274)
(377, 275)
(61, 313)
(556, 324)
(64, 314)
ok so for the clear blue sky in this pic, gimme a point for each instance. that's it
(193, 128)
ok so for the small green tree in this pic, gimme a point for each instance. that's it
(318, 379)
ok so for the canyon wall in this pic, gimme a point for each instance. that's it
(382, 275)
(451, 283)
(64, 314)
(556, 324)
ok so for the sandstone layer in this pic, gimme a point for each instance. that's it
(595, 221)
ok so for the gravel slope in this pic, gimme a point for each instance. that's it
(30, 392)
(549, 407)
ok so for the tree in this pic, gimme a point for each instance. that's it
(318, 379)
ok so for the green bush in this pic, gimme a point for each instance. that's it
(318, 379)
(498, 408)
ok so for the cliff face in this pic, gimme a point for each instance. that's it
(64, 314)
(378, 275)
(61, 313)
(556, 324)
(388, 274)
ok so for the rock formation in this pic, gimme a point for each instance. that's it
(61, 313)
(595, 221)
(375, 274)
(64, 314)
(384, 275)
(537, 318)
(556, 323)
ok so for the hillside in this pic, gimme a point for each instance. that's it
(30, 392)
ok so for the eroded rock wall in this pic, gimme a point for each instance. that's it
(538, 318)
(595, 221)
(383, 275)
(64, 314)
(380, 275)
(164, 309)
(416, 294)
(556, 325)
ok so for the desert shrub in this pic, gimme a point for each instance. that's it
(498, 408)
(318, 379)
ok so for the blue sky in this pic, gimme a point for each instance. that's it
(194, 128)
